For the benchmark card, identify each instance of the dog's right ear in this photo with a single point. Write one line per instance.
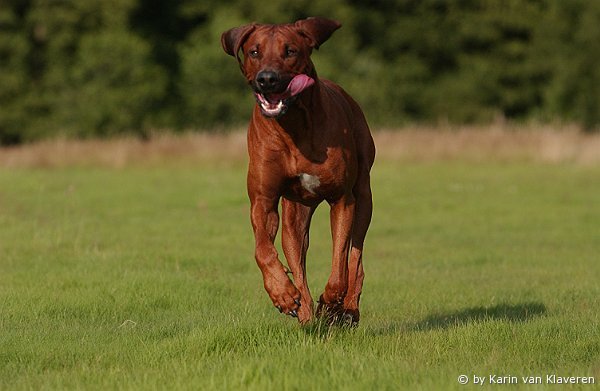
(232, 40)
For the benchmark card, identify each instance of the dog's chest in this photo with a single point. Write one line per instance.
(310, 182)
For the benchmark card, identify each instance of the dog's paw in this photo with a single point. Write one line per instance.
(350, 317)
(329, 310)
(336, 313)
(285, 297)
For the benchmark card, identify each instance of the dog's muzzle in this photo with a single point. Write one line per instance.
(276, 104)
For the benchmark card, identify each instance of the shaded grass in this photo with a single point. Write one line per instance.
(144, 278)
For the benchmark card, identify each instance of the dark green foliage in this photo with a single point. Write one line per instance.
(114, 87)
(89, 67)
(14, 86)
(572, 47)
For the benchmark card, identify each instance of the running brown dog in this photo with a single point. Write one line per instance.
(308, 142)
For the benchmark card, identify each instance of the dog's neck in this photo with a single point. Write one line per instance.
(300, 117)
(299, 127)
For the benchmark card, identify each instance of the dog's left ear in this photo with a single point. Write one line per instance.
(317, 30)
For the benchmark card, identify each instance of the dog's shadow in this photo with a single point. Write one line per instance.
(507, 312)
(513, 313)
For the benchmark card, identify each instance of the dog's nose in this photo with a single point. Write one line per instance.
(267, 80)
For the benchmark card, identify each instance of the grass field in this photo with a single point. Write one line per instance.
(138, 273)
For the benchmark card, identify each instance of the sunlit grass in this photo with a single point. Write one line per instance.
(142, 277)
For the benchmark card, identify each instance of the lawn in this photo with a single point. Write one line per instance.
(142, 277)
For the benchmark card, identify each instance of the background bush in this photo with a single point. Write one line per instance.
(92, 68)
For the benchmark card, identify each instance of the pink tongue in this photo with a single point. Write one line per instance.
(298, 84)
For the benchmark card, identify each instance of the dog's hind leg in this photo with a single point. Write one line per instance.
(295, 226)
(362, 219)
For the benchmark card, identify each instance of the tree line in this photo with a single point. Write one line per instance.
(83, 68)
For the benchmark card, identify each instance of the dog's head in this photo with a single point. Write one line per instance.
(276, 58)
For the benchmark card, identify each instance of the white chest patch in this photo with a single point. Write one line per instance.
(309, 182)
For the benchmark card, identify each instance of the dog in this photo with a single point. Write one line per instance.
(308, 142)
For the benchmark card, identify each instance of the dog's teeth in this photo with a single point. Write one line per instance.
(269, 109)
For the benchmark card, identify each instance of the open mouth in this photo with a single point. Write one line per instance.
(274, 105)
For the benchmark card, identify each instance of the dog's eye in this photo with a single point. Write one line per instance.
(289, 52)
(253, 53)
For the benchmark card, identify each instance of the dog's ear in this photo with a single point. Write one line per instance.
(232, 40)
(317, 30)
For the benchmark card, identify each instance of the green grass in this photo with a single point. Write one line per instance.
(144, 278)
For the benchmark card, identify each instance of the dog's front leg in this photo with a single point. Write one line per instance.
(294, 241)
(265, 221)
